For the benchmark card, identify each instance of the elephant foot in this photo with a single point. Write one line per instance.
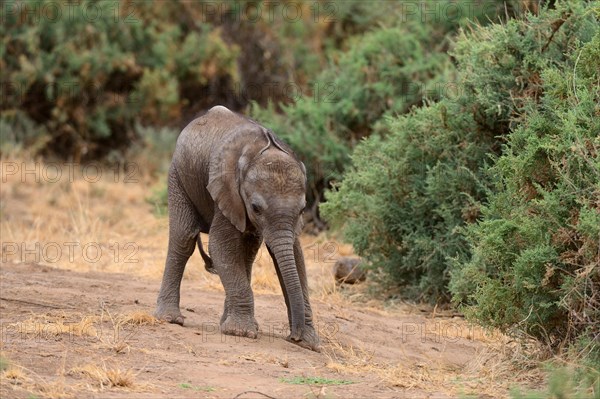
(241, 327)
(169, 314)
(308, 339)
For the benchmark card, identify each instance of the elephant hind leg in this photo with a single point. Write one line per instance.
(184, 228)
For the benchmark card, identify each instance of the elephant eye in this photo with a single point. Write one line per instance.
(256, 208)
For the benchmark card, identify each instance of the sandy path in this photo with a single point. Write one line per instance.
(383, 354)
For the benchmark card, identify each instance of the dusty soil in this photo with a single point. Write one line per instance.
(56, 322)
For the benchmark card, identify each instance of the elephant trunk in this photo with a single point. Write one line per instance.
(282, 246)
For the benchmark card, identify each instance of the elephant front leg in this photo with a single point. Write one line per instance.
(228, 251)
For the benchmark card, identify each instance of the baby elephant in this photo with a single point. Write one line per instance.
(235, 180)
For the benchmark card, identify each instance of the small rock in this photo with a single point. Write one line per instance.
(349, 271)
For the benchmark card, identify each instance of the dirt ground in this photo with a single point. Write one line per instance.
(81, 262)
(56, 322)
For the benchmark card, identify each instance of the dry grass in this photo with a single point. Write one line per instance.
(45, 326)
(104, 377)
(45, 217)
(109, 331)
(14, 374)
(349, 358)
(493, 371)
(138, 318)
(52, 390)
(101, 377)
(123, 328)
(56, 387)
(19, 378)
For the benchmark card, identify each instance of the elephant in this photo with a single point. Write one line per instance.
(233, 179)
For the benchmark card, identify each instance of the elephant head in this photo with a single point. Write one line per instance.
(259, 185)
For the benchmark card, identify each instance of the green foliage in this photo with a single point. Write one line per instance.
(405, 196)
(87, 77)
(185, 385)
(535, 257)
(501, 65)
(159, 199)
(407, 199)
(76, 83)
(566, 383)
(78, 78)
(4, 363)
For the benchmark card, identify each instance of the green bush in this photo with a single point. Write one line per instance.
(408, 197)
(77, 78)
(89, 72)
(535, 257)
(405, 196)
(566, 383)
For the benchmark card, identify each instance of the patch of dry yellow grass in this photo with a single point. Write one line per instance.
(52, 390)
(264, 276)
(493, 371)
(15, 374)
(19, 378)
(66, 222)
(104, 377)
(116, 336)
(123, 328)
(138, 318)
(263, 358)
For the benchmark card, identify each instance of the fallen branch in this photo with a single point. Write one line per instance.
(260, 393)
(46, 305)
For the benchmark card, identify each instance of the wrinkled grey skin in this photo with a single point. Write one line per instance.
(233, 179)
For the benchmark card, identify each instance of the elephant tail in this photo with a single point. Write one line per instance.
(208, 264)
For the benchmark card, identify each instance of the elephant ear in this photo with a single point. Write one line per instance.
(226, 168)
